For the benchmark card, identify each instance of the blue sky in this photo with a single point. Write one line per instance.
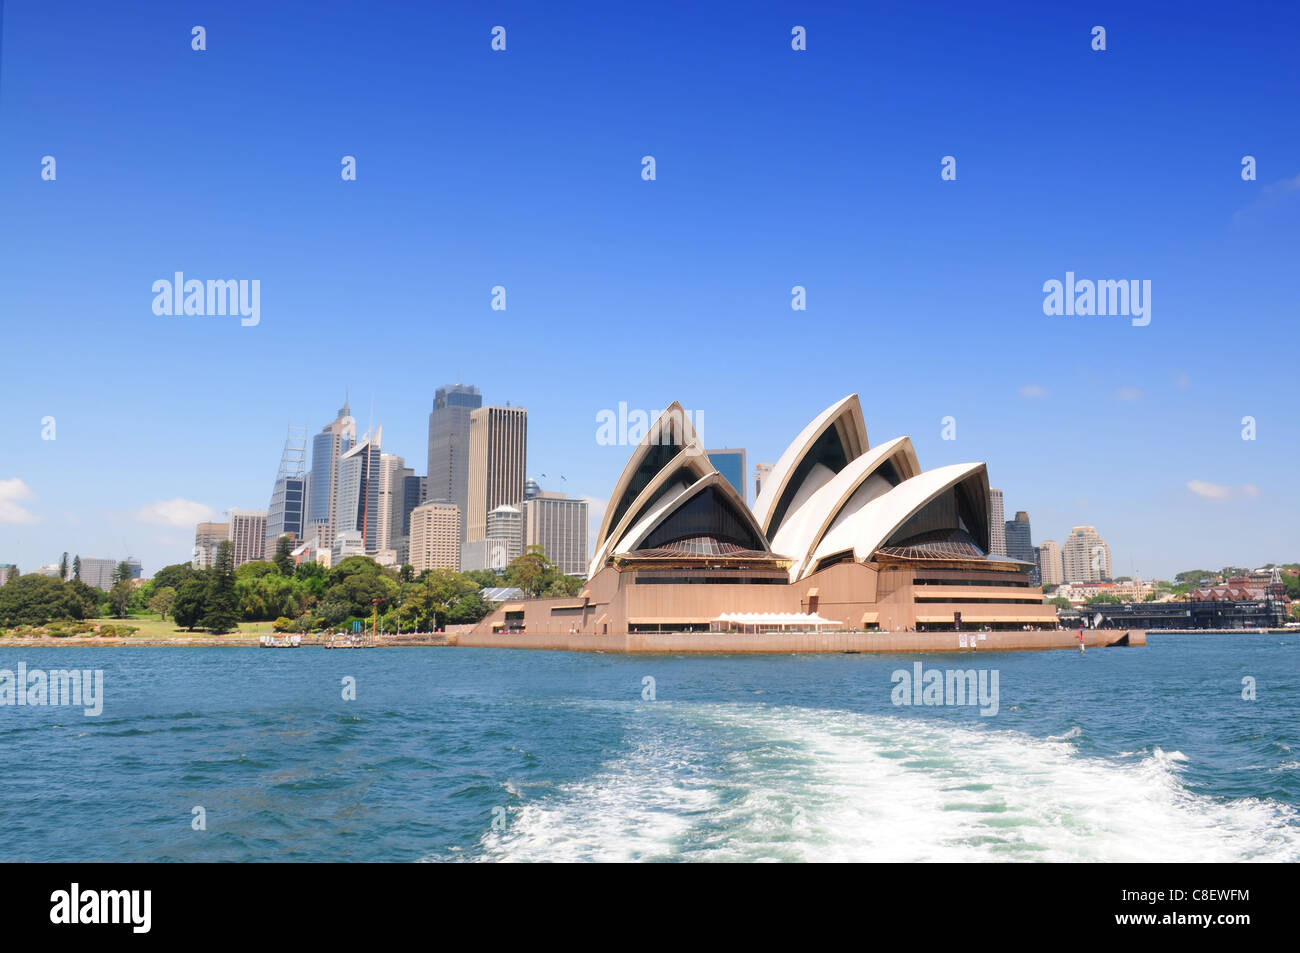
(775, 168)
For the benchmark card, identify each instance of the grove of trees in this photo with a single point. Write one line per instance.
(303, 598)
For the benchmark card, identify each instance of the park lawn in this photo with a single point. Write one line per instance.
(152, 627)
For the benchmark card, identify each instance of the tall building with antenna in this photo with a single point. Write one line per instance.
(327, 447)
(287, 513)
(357, 510)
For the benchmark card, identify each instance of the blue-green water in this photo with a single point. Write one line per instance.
(447, 754)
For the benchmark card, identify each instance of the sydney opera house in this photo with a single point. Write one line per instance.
(844, 537)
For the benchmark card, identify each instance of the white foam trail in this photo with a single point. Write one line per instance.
(640, 808)
(800, 784)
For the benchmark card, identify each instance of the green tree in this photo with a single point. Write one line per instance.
(221, 606)
(36, 600)
(63, 567)
(88, 597)
(174, 576)
(353, 566)
(119, 598)
(76, 567)
(531, 571)
(485, 578)
(438, 598)
(187, 607)
(122, 572)
(1104, 598)
(284, 556)
(1060, 602)
(256, 570)
(161, 601)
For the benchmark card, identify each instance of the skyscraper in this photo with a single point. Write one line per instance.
(1019, 541)
(1085, 556)
(1020, 545)
(731, 464)
(98, 572)
(559, 525)
(997, 525)
(1050, 567)
(392, 469)
(448, 471)
(248, 533)
(357, 510)
(505, 525)
(207, 537)
(286, 514)
(435, 537)
(761, 470)
(498, 441)
(415, 490)
(326, 449)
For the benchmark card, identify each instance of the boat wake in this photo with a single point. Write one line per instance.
(752, 783)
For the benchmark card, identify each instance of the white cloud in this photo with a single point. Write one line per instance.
(1217, 491)
(1128, 393)
(182, 514)
(1033, 391)
(11, 510)
(1271, 196)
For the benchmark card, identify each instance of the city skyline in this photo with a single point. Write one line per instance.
(530, 180)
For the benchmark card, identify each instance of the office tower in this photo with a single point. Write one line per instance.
(6, 571)
(731, 464)
(322, 500)
(207, 536)
(347, 542)
(98, 572)
(392, 469)
(997, 525)
(448, 471)
(498, 441)
(435, 537)
(1050, 568)
(357, 509)
(415, 491)
(505, 525)
(248, 533)
(761, 470)
(559, 525)
(531, 489)
(287, 512)
(1085, 557)
(1020, 544)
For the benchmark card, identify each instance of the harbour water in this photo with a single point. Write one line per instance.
(478, 754)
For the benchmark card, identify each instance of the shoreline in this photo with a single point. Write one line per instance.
(716, 643)
(230, 641)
